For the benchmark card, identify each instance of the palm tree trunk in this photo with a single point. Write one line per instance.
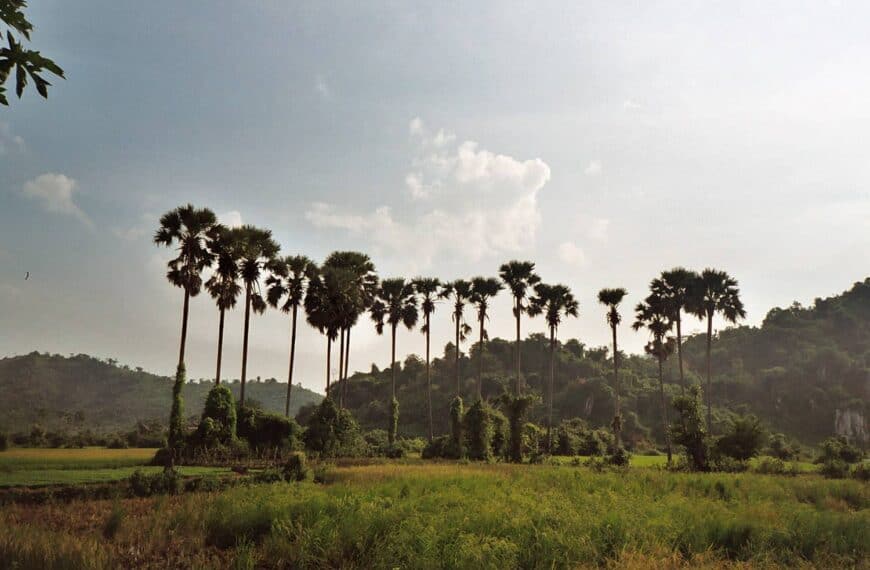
(456, 360)
(184, 313)
(347, 354)
(480, 362)
(618, 431)
(709, 379)
(328, 360)
(393, 360)
(292, 358)
(552, 375)
(245, 344)
(341, 370)
(519, 373)
(664, 408)
(680, 354)
(220, 350)
(429, 380)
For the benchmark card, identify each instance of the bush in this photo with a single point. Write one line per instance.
(743, 440)
(516, 409)
(533, 440)
(689, 431)
(499, 441)
(117, 442)
(4, 441)
(620, 457)
(296, 467)
(264, 430)
(220, 409)
(834, 469)
(861, 472)
(726, 464)
(456, 415)
(839, 449)
(163, 483)
(774, 466)
(478, 427)
(780, 448)
(333, 433)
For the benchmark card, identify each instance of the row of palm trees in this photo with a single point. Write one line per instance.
(335, 294)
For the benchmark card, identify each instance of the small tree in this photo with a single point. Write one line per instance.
(332, 432)
(220, 408)
(478, 426)
(743, 440)
(689, 430)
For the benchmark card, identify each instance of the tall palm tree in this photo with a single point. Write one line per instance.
(331, 295)
(429, 291)
(674, 289)
(257, 252)
(365, 280)
(288, 282)
(654, 314)
(482, 290)
(460, 291)
(554, 302)
(395, 303)
(187, 228)
(611, 298)
(223, 285)
(715, 292)
(519, 276)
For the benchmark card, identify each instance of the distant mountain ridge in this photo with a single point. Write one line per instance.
(83, 392)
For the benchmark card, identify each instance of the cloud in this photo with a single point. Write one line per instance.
(9, 142)
(475, 203)
(571, 254)
(593, 168)
(54, 192)
(598, 229)
(631, 105)
(322, 87)
(231, 219)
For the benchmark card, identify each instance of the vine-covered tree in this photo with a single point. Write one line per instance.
(14, 56)
(395, 303)
(715, 292)
(187, 228)
(520, 277)
(483, 289)
(611, 298)
(223, 285)
(554, 302)
(257, 251)
(286, 288)
(429, 291)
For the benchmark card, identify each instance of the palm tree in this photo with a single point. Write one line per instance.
(482, 290)
(257, 251)
(365, 280)
(188, 227)
(674, 288)
(611, 298)
(331, 295)
(288, 282)
(429, 291)
(715, 292)
(519, 276)
(655, 315)
(460, 290)
(223, 285)
(395, 303)
(554, 302)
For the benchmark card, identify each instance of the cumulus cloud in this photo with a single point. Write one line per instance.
(231, 219)
(571, 254)
(475, 202)
(9, 141)
(54, 192)
(593, 168)
(631, 105)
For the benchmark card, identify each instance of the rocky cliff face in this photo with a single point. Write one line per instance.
(851, 424)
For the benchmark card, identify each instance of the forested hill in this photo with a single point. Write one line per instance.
(805, 372)
(82, 392)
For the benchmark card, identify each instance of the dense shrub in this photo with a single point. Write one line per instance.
(220, 408)
(143, 485)
(478, 428)
(619, 457)
(332, 432)
(499, 441)
(839, 448)
(774, 466)
(834, 469)
(861, 472)
(296, 467)
(4, 441)
(516, 409)
(456, 420)
(781, 448)
(743, 439)
(534, 440)
(264, 430)
(689, 431)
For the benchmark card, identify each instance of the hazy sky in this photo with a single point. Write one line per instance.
(605, 141)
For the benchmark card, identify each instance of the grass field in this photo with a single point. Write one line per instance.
(462, 516)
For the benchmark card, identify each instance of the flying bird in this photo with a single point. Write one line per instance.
(27, 276)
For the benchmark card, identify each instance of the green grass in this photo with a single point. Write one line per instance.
(662, 460)
(20, 459)
(43, 477)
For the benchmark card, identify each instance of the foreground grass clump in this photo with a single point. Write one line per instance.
(400, 515)
(449, 516)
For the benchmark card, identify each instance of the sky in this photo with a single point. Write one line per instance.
(606, 141)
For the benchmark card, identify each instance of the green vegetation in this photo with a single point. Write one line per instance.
(469, 516)
(14, 56)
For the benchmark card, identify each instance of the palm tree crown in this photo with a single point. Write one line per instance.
(519, 276)
(223, 285)
(394, 304)
(611, 298)
(288, 280)
(429, 291)
(554, 302)
(716, 292)
(675, 288)
(188, 227)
